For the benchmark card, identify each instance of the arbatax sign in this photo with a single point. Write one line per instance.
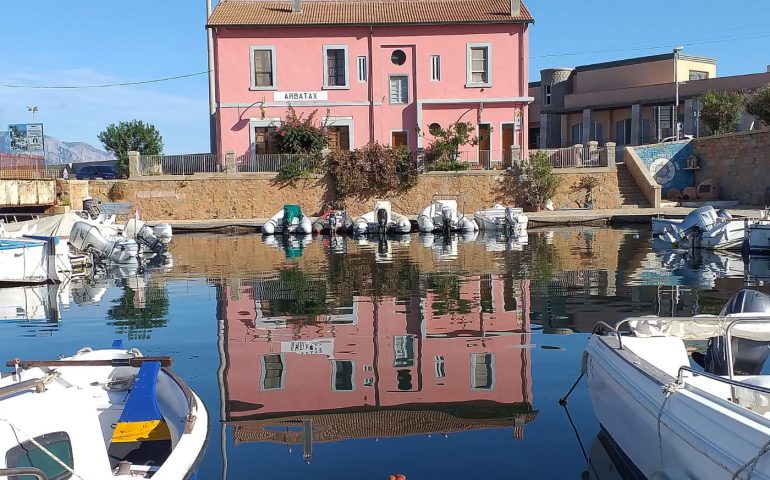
(300, 96)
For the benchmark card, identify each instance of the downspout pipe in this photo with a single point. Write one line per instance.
(212, 98)
(370, 84)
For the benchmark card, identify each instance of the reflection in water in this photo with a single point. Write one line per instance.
(35, 307)
(419, 354)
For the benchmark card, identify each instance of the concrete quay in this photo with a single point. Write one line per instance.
(599, 217)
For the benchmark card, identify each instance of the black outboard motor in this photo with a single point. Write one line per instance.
(382, 220)
(748, 355)
(446, 221)
(285, 225)
(145, 236)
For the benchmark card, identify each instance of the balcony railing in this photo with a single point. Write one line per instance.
(574, 157)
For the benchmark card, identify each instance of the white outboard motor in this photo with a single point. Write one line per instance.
(724, 214)
(145, 236)
(87, 238)
(164, 232)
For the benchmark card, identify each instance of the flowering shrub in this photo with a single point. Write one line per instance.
(300, 135)
(374, 169)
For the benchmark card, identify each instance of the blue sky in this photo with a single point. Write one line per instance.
(96, 42)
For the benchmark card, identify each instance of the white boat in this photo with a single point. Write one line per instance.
(500, 218)
(34, 260)
(758, 237)
(675, 421)
(99, 415)
(659, 224)
(288, 220)
(87, 238)
(382, 219)
(706, 228)
(442, 215)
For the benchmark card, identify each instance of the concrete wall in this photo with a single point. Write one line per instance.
(739, 162)
(260, 195)
(16, 193)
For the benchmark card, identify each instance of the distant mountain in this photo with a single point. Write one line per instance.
(57, 151)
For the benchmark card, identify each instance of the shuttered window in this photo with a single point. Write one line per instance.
(263, 68)
(399, 89)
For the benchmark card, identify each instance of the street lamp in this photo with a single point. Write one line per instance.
(675, 113)
(33, 109)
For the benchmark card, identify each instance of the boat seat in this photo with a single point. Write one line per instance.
(667, 353)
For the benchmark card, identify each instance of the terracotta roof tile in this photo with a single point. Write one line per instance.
(364, 12)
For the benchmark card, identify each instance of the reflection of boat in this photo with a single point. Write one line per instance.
(442, 215)
(456, 360)
(673, 421)
(498, 218)
(125, 417)
(445, 246)
(384, 244)
(288, 220)
(706, 228)
(292, 245)
(382, 220)
(605, 462)
(334, 221)
(31, 302)
(500, 242)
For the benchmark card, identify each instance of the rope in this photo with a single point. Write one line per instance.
(752, 464)
(17, 431)
(668, 391)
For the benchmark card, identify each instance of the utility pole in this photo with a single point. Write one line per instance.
(212, 98)
(675, 113)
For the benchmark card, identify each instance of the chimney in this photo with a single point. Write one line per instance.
(296, 6)
(515, 8)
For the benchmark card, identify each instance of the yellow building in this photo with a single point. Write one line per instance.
(629, 102)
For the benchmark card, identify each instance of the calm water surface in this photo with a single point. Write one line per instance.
(424, 356)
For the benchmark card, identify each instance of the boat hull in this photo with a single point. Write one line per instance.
(698, 436)
(24, 262)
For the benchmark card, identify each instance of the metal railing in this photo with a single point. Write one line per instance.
(24, 167)
(274, 162)
(181, 164)
(574, 157)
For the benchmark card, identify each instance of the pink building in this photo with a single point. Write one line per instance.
(423, 359)
(374, 70)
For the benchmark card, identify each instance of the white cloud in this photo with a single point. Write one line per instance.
(80, 114)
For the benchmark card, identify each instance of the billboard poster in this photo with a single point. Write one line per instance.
(27, 138)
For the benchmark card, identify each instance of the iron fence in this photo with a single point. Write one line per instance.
(274, 162)
(181, 164)
(574, 157)
(15, 166)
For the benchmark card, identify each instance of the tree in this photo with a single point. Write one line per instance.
(722, 111)
(131, 136)
(300, 134)
(537, 182)
(759, 104)
(444, 153)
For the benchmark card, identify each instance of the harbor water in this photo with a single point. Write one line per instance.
(336, 357)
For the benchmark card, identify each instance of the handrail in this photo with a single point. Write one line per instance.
(192, 404)
(17, 471)
(733, 383)
(729, 348)
(36, 383)
(610, 328)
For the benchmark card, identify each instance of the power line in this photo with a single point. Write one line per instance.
(106, 85)
(651, 47)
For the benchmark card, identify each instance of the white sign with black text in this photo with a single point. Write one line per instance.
(300, 96)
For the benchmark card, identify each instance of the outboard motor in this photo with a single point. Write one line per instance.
(510, 219)
(87, 238)
(382, 220)
(748, 355)
(446, 220)
(147, 238)
(724, 214)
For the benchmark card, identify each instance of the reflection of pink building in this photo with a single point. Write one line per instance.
(375, 70)
(427, 355)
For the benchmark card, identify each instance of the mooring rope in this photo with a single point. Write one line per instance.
(18, 432)
(752, 464)
(668, 391)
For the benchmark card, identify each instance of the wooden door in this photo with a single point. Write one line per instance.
(507, 144)
(399, 139)
(484, 145)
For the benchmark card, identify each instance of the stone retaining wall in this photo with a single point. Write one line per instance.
(740, 163)
(261, 195)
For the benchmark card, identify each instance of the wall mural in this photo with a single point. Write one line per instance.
(667, 164)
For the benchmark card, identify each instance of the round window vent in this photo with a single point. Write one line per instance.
(398, 57)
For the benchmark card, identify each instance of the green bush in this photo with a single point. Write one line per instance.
(444, 153)
(722, 111)
(537, 182)
(759, 104)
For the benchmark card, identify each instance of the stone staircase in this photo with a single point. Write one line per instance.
(631, 195)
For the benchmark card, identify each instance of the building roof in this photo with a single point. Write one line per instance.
(639, 60)
(254, 13)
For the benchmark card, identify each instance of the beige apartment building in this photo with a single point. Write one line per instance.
(629, 102)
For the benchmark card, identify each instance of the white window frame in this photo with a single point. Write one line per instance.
(362, 69)
(469, 83)
(326, 85)
(492, 381)
(400, 131)
(350, 123)
(439, 367)
(390, 79)
(253, 85)
(435, 68)
(263, 371)
(547, 87)
(352, 375)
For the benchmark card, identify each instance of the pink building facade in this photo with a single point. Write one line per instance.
(379, 355)
(373, 70)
